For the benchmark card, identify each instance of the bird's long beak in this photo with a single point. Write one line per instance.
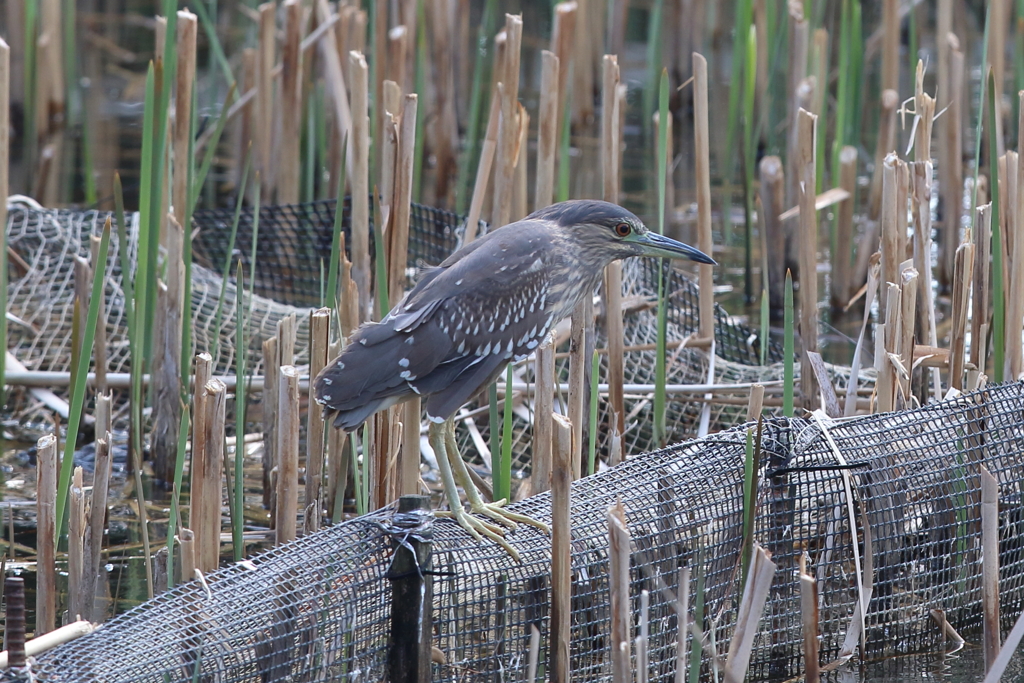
(653, 244)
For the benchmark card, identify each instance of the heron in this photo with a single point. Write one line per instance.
(490, 303)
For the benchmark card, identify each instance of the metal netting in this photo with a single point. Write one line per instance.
(317, 609)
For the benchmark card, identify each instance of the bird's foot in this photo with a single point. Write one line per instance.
(500, 514)
(481, 529)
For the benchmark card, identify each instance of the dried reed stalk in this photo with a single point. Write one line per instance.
(185, 74)
(51, 25)
(245, 129)
(360, 182)
(46, 529)
(891, 257)
(207, 471)
(288, 158)
(891, 27)
(543, 407)
(884, 343)
(78, 602)
(562, 40)
(508, 127)
(807, 134)
(319, 340)
(99, 347)
(5, 155)
(266, 164)
(288, 453)
(585, 49)
(520, 193)
(948, 94)
(756, 402)
(910, 278)
(446, 126)
(579, 360)
(166, 377)
(398, 238)
(271, 365)
(702, 161)
(841, 261)
(335, 78)
(990, 564)
(338, 464)
(963, 275)
(547, 129)
(91, 575)
(755, 593)
(886, 144)
(799, 37)
(772, 194)
(483, 170)
(610, 165)
(809, 620)
(619, 553)
(981, 297)
(561, 548)
(398, 46)
(187, 543)
(1015, 307)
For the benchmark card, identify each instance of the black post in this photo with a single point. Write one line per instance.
(411, 592)
(14, 592)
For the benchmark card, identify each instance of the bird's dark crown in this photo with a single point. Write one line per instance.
(587, 212)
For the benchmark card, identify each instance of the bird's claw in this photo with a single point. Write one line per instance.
(512, 520)
(480, 529)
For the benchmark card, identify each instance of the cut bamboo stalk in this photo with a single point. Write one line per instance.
(185, 74)
(619, 553)
(399, 239)
(886, 144)
(291, 102)
(702, 155)
(891, 27)
(561, 547)
(578, 361)
(97, 523)
(1015, 309)
(842, 262)
(271, 366)
(952, 198)
(166, 376)
(610, 164)
(981, 297)
(562, 41)
(889, 226)
(187, 543)
(266, 59)
(319, 339)
(963, 275)
(990, 564)
(398, 45)
(772, 194)
(541, 462)
(508, 126)
(799, 33)
(207, 471)
(388, 160)
(393, 106)
(483, 171)
(807, 134)
(809, 620)
(288, 453)
(77, 600)
(46, 528)
(360, 180)
(547, 129)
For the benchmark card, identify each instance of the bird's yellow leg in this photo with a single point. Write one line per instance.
(495, 510)
(477, 528)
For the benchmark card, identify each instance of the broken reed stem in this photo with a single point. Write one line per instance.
(271, 365)
(291, 103)
(702, 160)
(398, 237)
(990, 564)
(807, 133)
(773, 188)
(542, 421)
(561, 547)
(884, 344)
(78, 601)
(563, 34)
(981, 297)
(809, 621)
(886, 144)
(360, 182)
(891, 257)
(166, 376)
(187, 542)
(319, 340)
(508, 127)
(842, 288)
(619, 553)
(46, 529)
(5, 154)
(520, 200)
(755, 593)
(1015, 243)
(207, 471)
(963, 275)
(910, 278)
(756, 403)
(610, 164)
(547, 133)
(185, 74)
(266, 164)
(288, 453)
(483, 171)
(890, 45)
(99, 347)
(578, 362)
(952, 168)
(97, 518)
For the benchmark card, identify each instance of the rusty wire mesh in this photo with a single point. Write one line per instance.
(317, 609)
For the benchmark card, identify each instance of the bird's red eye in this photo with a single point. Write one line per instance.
(623, 229)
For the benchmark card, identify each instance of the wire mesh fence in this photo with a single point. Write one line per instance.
(895, 495)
